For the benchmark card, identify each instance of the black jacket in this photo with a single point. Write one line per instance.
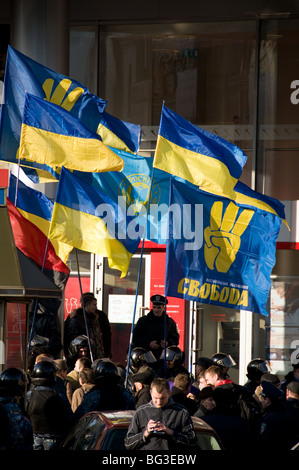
(143, 396)
(74, 325)
(174, 416)
(277, 429)
(180, 397)
(151, 327)
(48, 412)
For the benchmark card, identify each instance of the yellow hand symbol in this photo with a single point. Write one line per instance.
(223, 237)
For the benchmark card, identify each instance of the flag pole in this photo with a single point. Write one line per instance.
(192, 338)
(82, 303)
(43, 265)
(165, 368)
(138, 282)
(134, 314)
(138, 279)
(36, 300)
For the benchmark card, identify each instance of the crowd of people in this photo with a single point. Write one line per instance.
(38, 407)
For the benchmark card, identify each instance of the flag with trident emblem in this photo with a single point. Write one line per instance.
(24, 75)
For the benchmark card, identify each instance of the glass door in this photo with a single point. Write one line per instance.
(118, 301)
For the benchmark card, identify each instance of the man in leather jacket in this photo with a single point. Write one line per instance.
(149, 332)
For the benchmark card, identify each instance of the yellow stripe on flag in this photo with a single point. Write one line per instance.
(88, 233)
(111, 139)
(200, 170)
(62, 250)
(74, 153)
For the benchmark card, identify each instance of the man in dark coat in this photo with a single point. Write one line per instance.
(149, 332)
(142, 381)
(105, 328)
(49, 412)
(107, 394)
(292, 406)
(181, 388)
(292, 376)
(233, 431)
(75, 326)
(277, 424)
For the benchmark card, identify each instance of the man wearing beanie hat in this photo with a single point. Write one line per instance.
(149, 332)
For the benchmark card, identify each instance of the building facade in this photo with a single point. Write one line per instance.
(231, 68)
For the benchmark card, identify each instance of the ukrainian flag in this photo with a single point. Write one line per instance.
(232, 266)
(24, 75)
(119, 134)
(247, 197)
(193, 154)
(86, 218)
(53, 136)
(37, 208)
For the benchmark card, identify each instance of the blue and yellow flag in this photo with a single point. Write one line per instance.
(219, 252)
(197, 156)
(53, 136)
(131, 188)
(24, 75)
(37, 208)
(119, 134)
(86, 218)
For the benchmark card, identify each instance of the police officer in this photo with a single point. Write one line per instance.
(149, 332)
(277, 425)
(255, 369)
(140, 357)
(51, 416)
(78, 348)
(174, 358)
(225, 361)
(106, 394)
(19, 435)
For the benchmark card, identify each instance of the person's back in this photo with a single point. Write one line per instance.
(277, 425)
(87, 382)
(16, 429)
(49, 413)
(179, 391)
(106, 395)
(233, 431)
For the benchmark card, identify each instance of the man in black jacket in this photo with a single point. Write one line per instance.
(277, 429)
(181, 388)
(162, 424)
(149, 332)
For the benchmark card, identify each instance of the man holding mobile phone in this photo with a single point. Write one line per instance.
(161, 424)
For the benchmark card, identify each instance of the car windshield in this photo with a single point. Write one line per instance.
(115, 439)
(207, 441)
(85, 434)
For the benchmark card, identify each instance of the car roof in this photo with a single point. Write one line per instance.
(124, 417)
(114, 418)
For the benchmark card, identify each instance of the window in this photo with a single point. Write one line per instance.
(282, 325)
(204, 72)
(278, 108)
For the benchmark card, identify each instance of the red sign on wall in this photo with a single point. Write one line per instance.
(15, 341)
(175, 307)
(73, 293)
